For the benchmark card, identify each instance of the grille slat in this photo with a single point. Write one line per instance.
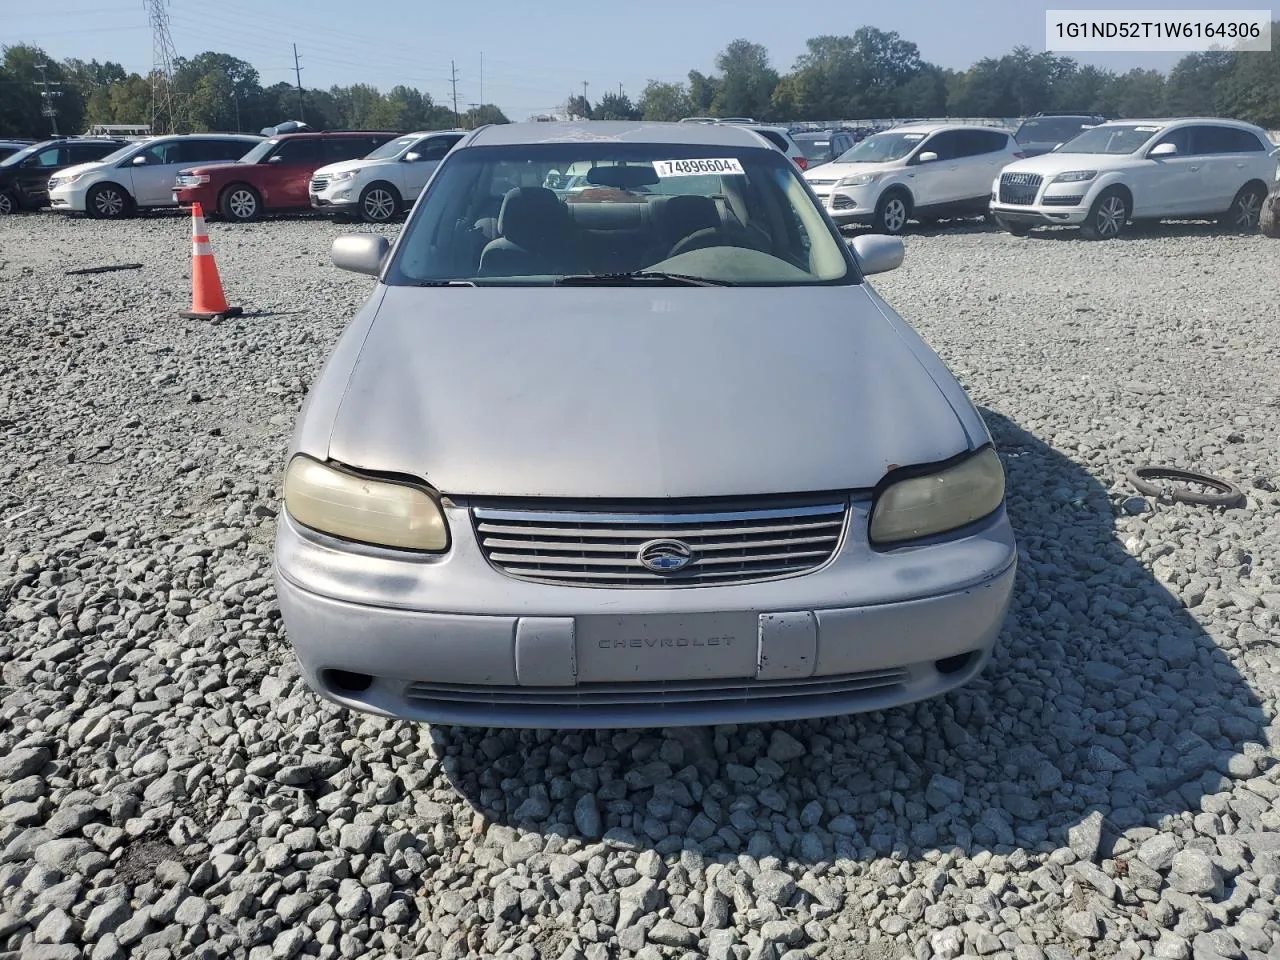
(1019, 189)
(318, 184)
(589, 548)
(841, 202)
(653, 695)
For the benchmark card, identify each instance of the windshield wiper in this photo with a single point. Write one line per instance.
(639, 277)
(442, 283)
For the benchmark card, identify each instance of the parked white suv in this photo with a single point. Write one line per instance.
(918, 172)
(1140, 170)
(386, 183)
(141, 174)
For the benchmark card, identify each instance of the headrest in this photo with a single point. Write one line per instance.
(530, 215)
(684, 214)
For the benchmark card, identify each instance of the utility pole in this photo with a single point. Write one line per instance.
(620, 94)
(453, 78)
(482, 77)
(297, 73)
(584, 93)
(47, 108)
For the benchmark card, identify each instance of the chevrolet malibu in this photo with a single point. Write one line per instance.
(654, 453)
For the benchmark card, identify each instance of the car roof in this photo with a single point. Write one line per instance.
(936, 127)
(622, 131)
(316, 134)
(1170, 121)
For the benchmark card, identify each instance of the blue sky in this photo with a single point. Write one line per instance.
(534, 54)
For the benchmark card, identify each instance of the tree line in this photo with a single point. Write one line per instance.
(873, 74)
(215, 91)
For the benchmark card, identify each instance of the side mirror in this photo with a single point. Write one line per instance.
(877, 253)
(140, 159)
(360, 253)
(1163, 150)
(1057, 145)
(412, 156)
(276, 159)
(927, 157)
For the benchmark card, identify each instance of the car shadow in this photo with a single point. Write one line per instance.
(1104, 695)
(1145, 230)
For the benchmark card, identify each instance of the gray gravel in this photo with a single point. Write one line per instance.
(170, 788)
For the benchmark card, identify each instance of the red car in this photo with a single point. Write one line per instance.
(273, 176)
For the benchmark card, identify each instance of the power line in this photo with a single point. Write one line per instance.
(453, 78)
(297, 74)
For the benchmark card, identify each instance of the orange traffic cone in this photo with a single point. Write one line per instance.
(207, 299)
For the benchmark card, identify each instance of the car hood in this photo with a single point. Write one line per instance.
(1050, 164)
(214, 166)
(833, 169)
(640, 393)
(331, 168)
(78, 168)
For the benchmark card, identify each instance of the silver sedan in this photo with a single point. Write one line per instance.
(653, 453)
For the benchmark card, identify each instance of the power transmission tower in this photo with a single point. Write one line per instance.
(164, 103)
(453, 78)
(47, 109)
(297, 74)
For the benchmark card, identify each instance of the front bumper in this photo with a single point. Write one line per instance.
(847, 205)
(69, 199)
(205, 195)
(335, 201)
(452, 640)
(1053, 203)
(1040, 215)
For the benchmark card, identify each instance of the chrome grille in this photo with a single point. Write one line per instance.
(841, 202)
(656, 694)
(598, 549)
(318, 184)
(1019, 188)
(820, 183)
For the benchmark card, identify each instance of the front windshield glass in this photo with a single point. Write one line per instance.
(882, 148)
(392, 148)
(16, 158)
(1050, 130)
(815, 149)
(737, 216)
(123, 152)
(1112, 138)
(259, 152)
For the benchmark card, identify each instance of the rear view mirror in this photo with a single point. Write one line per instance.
(1163, 150)
(927, 157)
(877, 253)
(360, 253)
(412, 155)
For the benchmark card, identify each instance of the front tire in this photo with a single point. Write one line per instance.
(1269, 221)
(1107, 217)
(108, 201)
(241, 203)
(892, 212)
(1245, 210)
(379, 203)
(8, 203)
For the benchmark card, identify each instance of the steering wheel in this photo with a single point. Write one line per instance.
(708, 237)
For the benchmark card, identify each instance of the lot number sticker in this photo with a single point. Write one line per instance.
(697, 168)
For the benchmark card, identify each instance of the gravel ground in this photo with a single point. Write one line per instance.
(1109, 788)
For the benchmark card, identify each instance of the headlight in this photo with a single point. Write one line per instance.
(192, 180)
(1075, 176)
(938, 502)
(64, 181)
(353, 507)
(861, 180)
(344, 175)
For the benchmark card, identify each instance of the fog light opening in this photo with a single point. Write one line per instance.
(344, 681)
(949, 665)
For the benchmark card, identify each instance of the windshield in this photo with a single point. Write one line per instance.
(120, 154)
(1050, 129)
(882, 148)
(259, 152)
(736, 216)
(1112, 138)
(392, 148)
(815, 149)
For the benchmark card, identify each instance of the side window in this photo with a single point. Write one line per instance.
(435, 148)
(301, 151)
(346, 148)
(162, 153)
(89, 152)
(50, 157)
(238, 148)
(199, 151)
(998, 142)
(1213, 139)
(946, 145)
(1180, 138)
